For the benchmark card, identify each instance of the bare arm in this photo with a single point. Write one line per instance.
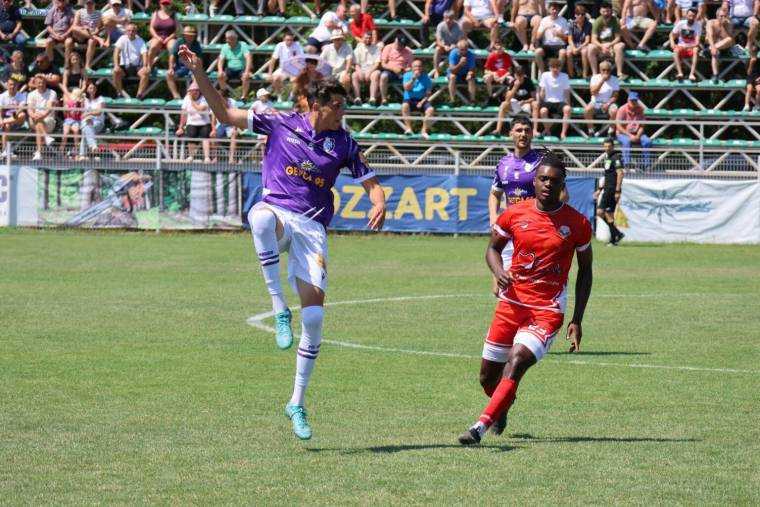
(583, 283)
(494, 200)
(494, 261)
(377, 198)
(225, 114)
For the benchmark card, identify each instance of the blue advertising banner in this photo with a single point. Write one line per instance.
(446, 204)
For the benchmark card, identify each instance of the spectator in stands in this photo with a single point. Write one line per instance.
(519, 98)
(684, 41)
(276, 7)
(195, 123)
(677, 9)
(12, 113)
(88, 28)
(605, 41)
(302, 82)
(636, 17)
(263, 103)
(40, 103)
(16, 70)
(130, 59)
(225, 131)
(752, 95)
(329, 22)
(340, 56)
(59, 20)
(44, 67)
(116, 18)
(395, 59)
(237, 55)
(163, 29)
(434, 11)
(177, 69)
(462, 69)
(604, 88)
(93, 119)
(579, 41)
(72, 116)
(341, 3)
(284, 50)
(496, 68)
(417, 87)
(526, 15)
(551, 37)
(744, 14)
(73, 73)
(719, 35)
(630, 131)
(361, 23)
(189, 8)
(483, 14)
(554, 96)
(10, 25)
(447, 33)
(366, 69)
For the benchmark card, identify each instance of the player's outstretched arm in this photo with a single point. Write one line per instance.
(495, 263)
(224, 113)
(377, 198)
(582, 292)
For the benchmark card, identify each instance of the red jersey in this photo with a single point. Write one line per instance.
(366, 24)
(498, 64)
(544, 244)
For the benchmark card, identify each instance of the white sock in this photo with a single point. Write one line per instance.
(263, 228)
(480, 427)
(308, 349)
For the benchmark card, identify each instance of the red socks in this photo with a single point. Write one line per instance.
(501, 400)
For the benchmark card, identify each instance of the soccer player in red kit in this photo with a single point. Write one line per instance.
(546, 233)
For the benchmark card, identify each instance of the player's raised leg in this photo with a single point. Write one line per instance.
(267, 230)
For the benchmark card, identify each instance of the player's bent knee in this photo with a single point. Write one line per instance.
(262, 220)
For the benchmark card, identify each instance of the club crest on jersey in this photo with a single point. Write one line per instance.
(328, 144)
(564, 231)
(308, 166)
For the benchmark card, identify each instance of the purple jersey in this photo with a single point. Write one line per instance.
(300, 166)
(514, 176)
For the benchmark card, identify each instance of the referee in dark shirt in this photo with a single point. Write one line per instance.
(613, 181)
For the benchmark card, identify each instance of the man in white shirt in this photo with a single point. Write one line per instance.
(684, 41)
(12, 114)
(263, 104)
(551, 37)
(340, 56)
(284, 50)
(554, 96)
(40, 103)
(604, 88)
(744, 14)
(130, 58)
(366, 68)
(321, 35)
(486, 14)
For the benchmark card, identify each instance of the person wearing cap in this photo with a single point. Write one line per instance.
(116, 19)
(461, 69)
(176, 69)
(483, 14)
(322, 34)
(551, 37)
(10, 26)
(417, 88)
(630, 131)
(130, 58)
(684, 41)
(163, 30)
(395, 59)
(340, 57)
(447, 34)
(237, 56)
(263, 103)
(366, 69)
(59, 20)
(284, 50)
(195, 122)
(88, 28)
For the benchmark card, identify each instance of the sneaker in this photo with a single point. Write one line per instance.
(297, 416)
(619, 238)
(3, 154)
(357, 101)
(500, 424)
(284, 335)
(470, 437)
(49, 140)
(745, 109)
(37, 156)
(737, 51)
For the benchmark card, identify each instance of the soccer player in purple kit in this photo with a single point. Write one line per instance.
(304, 154)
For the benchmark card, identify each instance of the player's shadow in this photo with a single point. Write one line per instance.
(392, 449)
(531, 438)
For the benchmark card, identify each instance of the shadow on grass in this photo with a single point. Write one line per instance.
(529, 437)
(391, 449)
(599, 353)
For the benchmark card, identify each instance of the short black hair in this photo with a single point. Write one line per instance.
(552, 159)
(522, 120)
(322, 91)
(605, 5)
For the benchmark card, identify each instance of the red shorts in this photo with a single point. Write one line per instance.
(685, 52)
(513, 323)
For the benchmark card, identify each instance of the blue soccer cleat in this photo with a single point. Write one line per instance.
(297, 415)
(284, 334)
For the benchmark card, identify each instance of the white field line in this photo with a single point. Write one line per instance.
(257, 322)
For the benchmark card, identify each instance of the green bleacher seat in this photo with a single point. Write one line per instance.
(221, 19)
(142, 132)
(192, 18)
(141, 17)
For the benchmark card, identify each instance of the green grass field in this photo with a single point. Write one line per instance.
(128, 374)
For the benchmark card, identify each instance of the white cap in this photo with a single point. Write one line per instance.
(262, 92)
(337, 34)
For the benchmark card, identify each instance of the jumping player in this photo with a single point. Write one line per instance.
(304, 154)
(613, 182)
(545, 232)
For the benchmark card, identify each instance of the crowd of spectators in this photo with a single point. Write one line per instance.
(573, 39)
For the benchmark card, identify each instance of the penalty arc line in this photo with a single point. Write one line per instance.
(256, 321)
